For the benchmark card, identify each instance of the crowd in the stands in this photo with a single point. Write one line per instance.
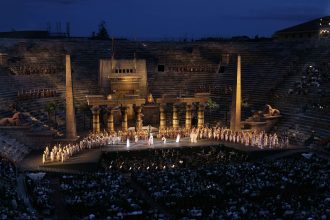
(108, 195)
(29, 69)
(91, 196)
(36, 93)
(11, 206)
(40, 192)
(310, 82)
(11, 148)
(291, 188)
(200, 183)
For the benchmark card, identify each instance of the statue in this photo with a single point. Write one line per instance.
(13, 121)
(150, 99)
(269, 111)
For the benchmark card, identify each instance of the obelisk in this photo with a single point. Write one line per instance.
(70, 118)
(235, 113)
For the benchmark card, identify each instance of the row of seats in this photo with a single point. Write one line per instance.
(11, 148)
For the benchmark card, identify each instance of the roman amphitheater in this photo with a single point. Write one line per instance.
(136, 111)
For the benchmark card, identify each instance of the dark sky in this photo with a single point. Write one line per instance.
(151, 19)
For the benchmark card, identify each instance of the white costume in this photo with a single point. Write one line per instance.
(151, 139)
(177, 138)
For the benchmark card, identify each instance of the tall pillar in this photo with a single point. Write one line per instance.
(70, 118)
(124, 125)
(110, 121)
(188, 116)
(162, 117)
(175, 117)
(96, 119)
(235, 112)
(138, 114)
(200, 122)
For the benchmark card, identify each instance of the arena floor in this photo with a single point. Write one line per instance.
(88, 159)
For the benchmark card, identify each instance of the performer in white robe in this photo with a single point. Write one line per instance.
(127, 143)
(164, 139)
(195, 137)
(151, 139)
(177, 138)
(114, 138)
(192, 137)
(52, 156)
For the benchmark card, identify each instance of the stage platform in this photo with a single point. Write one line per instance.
(88, 159)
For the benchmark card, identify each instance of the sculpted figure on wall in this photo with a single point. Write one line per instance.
(269, 111)
(14, 120)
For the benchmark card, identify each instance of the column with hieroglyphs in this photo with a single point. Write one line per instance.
(200, 115)
(96, 119)
(235, 112)
(110, 120)
(175, 119)
(162, 117)
(188, 115)
(70, 118)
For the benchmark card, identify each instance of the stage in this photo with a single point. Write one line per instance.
(89, 159)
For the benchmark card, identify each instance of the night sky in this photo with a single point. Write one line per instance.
(156, 19)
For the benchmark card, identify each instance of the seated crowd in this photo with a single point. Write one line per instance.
(200, 183)
(11, 148)
(11, 207)
(36, 94)
(29, 69)
(291, 188)
(310, 82)
(92, 196)
(40, 191)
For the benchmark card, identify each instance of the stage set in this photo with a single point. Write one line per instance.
(125, 98)
(88, 159)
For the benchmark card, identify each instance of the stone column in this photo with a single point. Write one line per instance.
(188, 116)
(175, 117)
(138, 114)
(201, 108)
(110, 121)
(124, 125)
(70, 118)
(162, 117)
(96, 119)
(235, 112)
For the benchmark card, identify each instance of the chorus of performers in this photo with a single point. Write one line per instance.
(60, 152)
(248, 138)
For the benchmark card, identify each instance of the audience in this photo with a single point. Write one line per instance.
(29, 69)
(292, 188)
(11, 207)
(11, 148)
(199, 183)
(36, 94)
